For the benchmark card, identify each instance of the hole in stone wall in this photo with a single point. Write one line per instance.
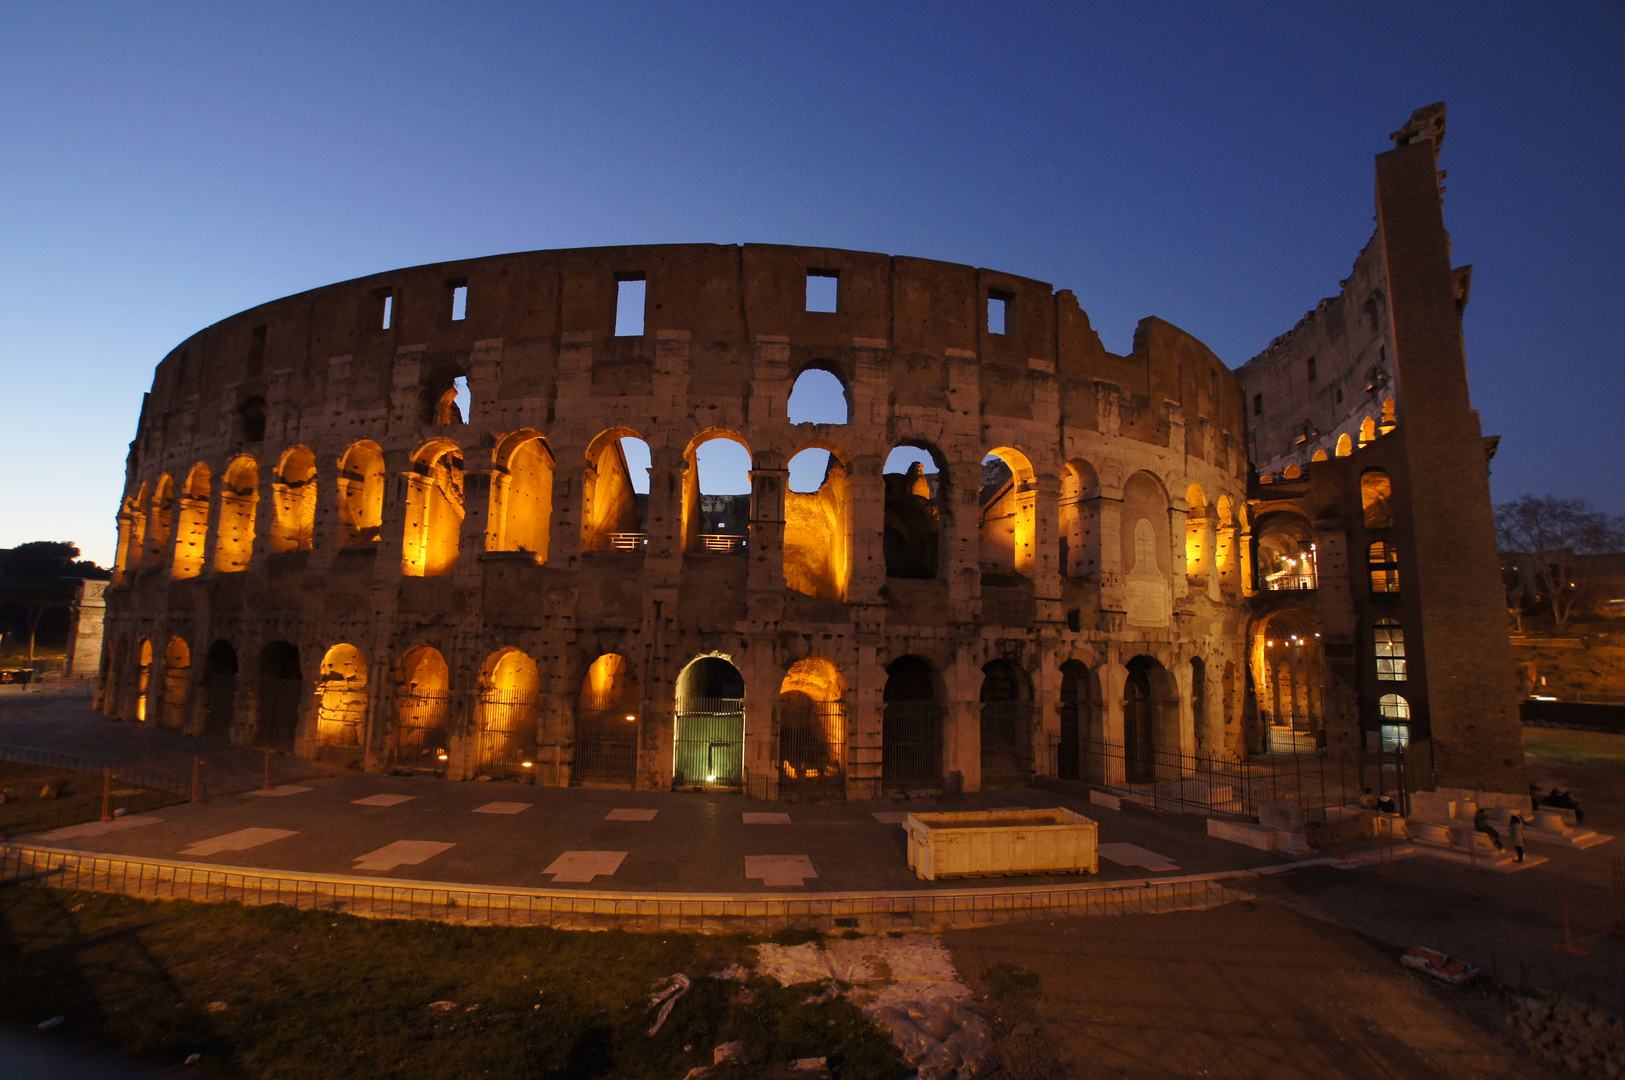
(459, 301)
(256, 351)
(388, 306)
(631, 292)
(823, 290)
(818, 397)
(998, 312)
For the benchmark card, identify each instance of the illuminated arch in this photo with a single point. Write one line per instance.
(818, 530)
(521, 495)
(811, 756)
(239, 503)
(162, 520)
(434, 510)
(143, 678)
(422, 697)
(613, 518)
(1199, 540)
(1008, 521)
(817, 388)
(915, 510)
(132, 536)
(505, 715)
(341, 700)
(360, 491)
(192, 524)
(1080, 521)
(1345, 445)
(293, 494)
(714, 524)
(177, 683)
(607, 712)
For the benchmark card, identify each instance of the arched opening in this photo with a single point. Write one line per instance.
(811, 751)
(1318, 455)
(521, 515)
(1079, 752)
(143, 678)
(1147, 554)
(1150, 721)
(818, 397)
(177, 681)
(281, 691)
(1226, 532)
(293, 491)
(510, 685)
(1376, 499)
(361, 494)
(434, 511)
(1291, 472)
(444, 397)
(915, 509)
(163, 518)
(1199, 538)
(911, 728)
(1345, 445)
(1395, 714)
(1284, 546)
(239, 501)
(1388, 422)
(132, 536)
(606, 742)
(341, 702)
(192, 526)
(716, 496)
(219, 690)
(1289, 678)
(1007, 721)
(1368, 431)
(818, 525)
(422, 698)
(710, 728)
(1382, 559)
(248, 422)
(1080, 521)
(1008, 523)
(616, 493)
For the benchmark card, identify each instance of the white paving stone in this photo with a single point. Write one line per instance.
(401, 853)
(1134, 855)
(278, 792)
(791, 870)
(383, 800)
(99, 828)
(631, 815)
(767, 819)
(585, 865)
(241, 840)
(503, 808)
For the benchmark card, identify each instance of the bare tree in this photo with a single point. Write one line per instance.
(1549, 536)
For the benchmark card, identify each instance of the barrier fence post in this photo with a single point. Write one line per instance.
(107, 794)
(1567, 945)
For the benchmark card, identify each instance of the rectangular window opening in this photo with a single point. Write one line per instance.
(1258, 404)
(1309, 368)
(998, 313)
(388, 305)
(631, 293)
(459, 301)
(823, 290)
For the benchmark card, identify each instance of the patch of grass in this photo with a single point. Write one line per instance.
(1003, 980)
(273, 992)
(796, 935)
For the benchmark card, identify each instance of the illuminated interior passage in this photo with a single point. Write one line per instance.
(162, 520)
(818, 530)
(293, 493)
(505, 719)
(914, 512)
(341, 698)
(709, 732)
(521, 496)
(616, 493)
(607, 723)
(192, 524)
(239, 501)
(422, 697)
(1008, 523)
(434, 511)
(360, 489)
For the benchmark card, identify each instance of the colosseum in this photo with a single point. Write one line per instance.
(807, 522)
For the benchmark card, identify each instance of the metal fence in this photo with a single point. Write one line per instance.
(585, 909)
(150, 791)
(606, 744)
(710, 743)
(1223, 784)
(507, 730)
(911, 745)
(419, 740)
(1007, 748)
(811, 750)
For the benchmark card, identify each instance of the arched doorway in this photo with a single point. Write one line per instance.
(219, 690)
(911, 730)
(812, 730)
(1007, 711)
(1078, 756)
(1289, 674)
(606, 743)
(1150, 720)
(915, 507)
(509, 687)
(341, 703)
(177, 681)
(710, 728)
(281, 686)
(422, 696)
(143, 679)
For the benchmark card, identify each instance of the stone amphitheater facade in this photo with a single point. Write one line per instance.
(319, 553)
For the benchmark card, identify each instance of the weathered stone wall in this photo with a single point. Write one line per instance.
(726, 334)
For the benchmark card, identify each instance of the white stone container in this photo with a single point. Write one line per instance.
(987, 842)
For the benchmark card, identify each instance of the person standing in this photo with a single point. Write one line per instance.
(1515, 834)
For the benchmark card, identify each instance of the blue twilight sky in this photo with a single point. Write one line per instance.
(165, 165)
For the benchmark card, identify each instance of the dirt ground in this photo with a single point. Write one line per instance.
(1248, 991)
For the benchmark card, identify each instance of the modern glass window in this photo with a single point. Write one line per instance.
(1389, 639)
(1383, 560)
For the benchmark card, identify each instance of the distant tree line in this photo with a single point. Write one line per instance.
(38, 583)
(1560, 556)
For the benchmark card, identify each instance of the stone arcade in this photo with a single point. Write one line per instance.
(1027, 556)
